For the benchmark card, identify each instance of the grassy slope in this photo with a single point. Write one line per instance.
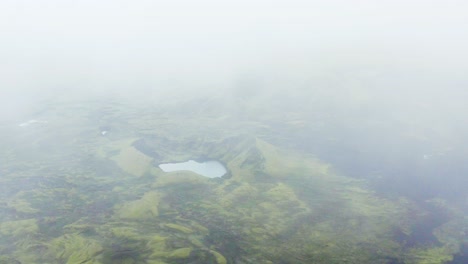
(83, 201)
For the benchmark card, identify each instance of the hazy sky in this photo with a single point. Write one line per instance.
(64, 45)
(404, 61)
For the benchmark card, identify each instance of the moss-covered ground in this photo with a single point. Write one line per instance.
(72, 195)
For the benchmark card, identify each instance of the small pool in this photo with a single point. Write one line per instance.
(210, 169)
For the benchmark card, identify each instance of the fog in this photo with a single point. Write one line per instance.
(394, 56)
(389, 77)
(397, 59)
(69, 45)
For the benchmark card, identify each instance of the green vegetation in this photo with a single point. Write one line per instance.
(98, 199)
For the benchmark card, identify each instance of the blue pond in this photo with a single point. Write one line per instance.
(210, 169)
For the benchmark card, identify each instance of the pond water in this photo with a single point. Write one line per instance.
(210, 169)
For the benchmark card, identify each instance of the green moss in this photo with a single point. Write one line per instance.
(279, 206)
(125, 233)
(78, 258)
(133, 161)
(199, 228)
(22, 206)
(80, 228)
(241, 194)
(144, 208)
(75, 249)
(434, 255)
(282, 164)
(173, 256)
(157, 244)
(6, 259)
(174, 178)
(29, 250)
(19, 228)
(111, 148)
(180, 253)
(197, 243)
(179, 228)
(220, 259)
(284, 196)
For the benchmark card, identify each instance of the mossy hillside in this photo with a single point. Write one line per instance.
(133, 161)
(292, 218)
(316, 185)
(179, 178)
(144, 208)
(19, 228)
(244, 206)
(166, 243)
(278, 205)
(250, 202)
(76, 249)
(28, 250)
(22, 206)
(121, 152)
(178, 228)
(427, 255)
